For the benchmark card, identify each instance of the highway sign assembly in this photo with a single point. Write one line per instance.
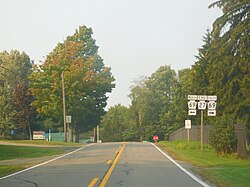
(203, 102)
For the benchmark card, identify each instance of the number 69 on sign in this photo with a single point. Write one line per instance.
(192, 105)
(211, 105)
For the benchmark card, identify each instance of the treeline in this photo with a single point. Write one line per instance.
(32, 97)
(222, 68)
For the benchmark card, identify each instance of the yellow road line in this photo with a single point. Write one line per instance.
(108, 174)
(109, 161)
(92, 183)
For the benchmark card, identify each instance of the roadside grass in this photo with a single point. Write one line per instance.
(8, 152)
(42, 142)
(6, 169)
(222, 170)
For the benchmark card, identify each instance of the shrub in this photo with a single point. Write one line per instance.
(222, 136)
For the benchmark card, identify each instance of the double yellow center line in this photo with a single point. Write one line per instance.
(108, 174)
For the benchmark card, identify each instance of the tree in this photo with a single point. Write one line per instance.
(152, 98)
(118, 125)
(222, 136)
(162, 87)
(139, 97)
(87, 81)
(230, 53)
(15, 99)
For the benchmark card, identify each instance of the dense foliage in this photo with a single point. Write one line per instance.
(222, 136)
(16, 112)
(118, 125)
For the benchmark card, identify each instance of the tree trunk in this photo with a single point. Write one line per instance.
(70, 133)
(140, 127)
(30, 132)
(3, 136)
(77, 138)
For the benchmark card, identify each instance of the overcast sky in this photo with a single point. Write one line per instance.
(135, 37)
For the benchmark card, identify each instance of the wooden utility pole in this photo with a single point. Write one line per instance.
(140, 128)
(64, 110)
(97, 134)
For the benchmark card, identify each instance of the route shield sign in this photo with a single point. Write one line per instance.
(202, 105)
(192, 105)
(211, 105)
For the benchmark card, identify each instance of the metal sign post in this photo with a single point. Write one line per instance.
(188, 127)
(202, 130)
(68, 121)
(202, 104)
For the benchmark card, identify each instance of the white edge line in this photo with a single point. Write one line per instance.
(183, 169)
(27, 169)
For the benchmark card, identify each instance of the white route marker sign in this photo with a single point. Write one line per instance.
(211, 113)
(211, 105)
(192, 112)
(212, 97)
(192, 105)
(202, 105)
(187, 124)
(192, 97)
(202, 97)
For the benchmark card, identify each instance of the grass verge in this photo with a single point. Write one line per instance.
(222, 170)
(6, 170)
(42, 142)
(8, 152)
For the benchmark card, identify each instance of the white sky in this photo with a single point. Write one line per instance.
(135, 37)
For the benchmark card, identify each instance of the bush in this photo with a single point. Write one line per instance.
(192, 145)
(222, 136)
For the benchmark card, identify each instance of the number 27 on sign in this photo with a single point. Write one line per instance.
(202, 105)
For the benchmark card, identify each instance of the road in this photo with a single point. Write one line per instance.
(107, 164)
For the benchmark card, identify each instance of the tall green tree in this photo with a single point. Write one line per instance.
(153, 98)
(139, 96)
(118, 125)
(15, 100)
(86, 79)
(229, 74)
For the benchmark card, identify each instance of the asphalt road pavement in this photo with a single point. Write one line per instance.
(137, 165)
